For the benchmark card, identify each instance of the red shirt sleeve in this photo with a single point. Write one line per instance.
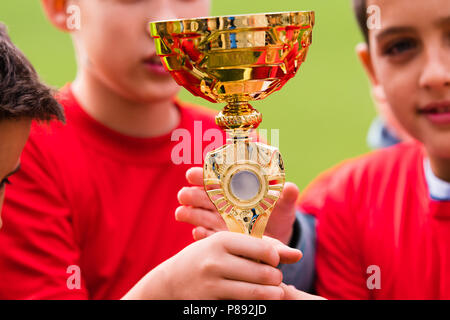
(340, 273)
(39, 255)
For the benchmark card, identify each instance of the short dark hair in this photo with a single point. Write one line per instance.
(22, 94)
(360, 10)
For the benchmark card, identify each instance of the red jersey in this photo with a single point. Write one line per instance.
(380, 234)
(92, 202)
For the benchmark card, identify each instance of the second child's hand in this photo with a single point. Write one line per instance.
(219, 267)
(197, 209)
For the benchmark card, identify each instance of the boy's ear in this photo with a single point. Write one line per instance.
(362, 50)
(56, 12)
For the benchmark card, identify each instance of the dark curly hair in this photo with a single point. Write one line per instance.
(22, 94)
(360, 10)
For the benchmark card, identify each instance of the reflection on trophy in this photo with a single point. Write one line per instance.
(236, 59)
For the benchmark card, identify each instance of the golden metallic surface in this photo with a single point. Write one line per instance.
(234, 58)
(237, 59)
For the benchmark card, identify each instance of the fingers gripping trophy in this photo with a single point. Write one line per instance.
(234, 60)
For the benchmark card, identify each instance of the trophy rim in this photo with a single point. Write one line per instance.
(214, 86)
(249, 15)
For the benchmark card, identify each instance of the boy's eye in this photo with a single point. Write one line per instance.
(400, 46)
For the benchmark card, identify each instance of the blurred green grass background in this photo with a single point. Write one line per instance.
(323, 114)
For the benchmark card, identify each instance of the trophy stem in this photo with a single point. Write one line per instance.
(238, 115)
(238, 135)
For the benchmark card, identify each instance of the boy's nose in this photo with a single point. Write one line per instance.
(166, 10)
(436, 73)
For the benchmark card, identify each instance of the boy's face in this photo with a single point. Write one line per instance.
(13, 136)
(114, 44)
(410, 65)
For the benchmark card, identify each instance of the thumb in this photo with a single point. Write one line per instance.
(283, 214)
(289, 194)
(194, 176)
(285, 207)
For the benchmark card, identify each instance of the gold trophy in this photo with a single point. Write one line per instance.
(236, 59)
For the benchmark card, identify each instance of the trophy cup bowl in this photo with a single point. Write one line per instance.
(234, 60)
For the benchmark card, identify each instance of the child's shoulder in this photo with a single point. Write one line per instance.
(381, 161)
(374, 163)
(363, 173)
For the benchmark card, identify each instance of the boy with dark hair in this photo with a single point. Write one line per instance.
(23, 98)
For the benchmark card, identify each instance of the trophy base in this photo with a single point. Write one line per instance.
(244, 180)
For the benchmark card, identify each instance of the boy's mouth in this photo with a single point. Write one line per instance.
(154, 65)
(437, 112)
